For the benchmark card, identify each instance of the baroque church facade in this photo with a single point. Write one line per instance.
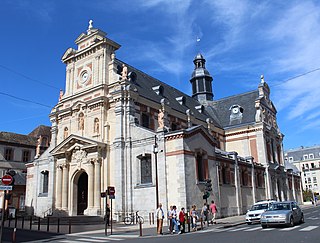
(116, 126)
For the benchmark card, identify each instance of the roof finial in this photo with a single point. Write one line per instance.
(90, 26)
(262, 78)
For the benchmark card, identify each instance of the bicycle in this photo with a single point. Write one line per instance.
(134, 217)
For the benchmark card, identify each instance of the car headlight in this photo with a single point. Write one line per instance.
(263, 216)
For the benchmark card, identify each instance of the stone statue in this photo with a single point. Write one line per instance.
(65, 133)
(81, 122)
(90, 26)
(60, 94)
(124, 72)
(38, 147)
(161, 118)
(96, 125)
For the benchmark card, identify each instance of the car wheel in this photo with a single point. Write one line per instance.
(264, 226)
(302, 219)
(291, 223)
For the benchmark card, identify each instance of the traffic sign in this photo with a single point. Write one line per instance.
(112, 197)
(5, 188)
(7, 179)
(111, 191)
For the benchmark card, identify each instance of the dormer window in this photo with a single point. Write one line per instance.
(200, 108)
(158, 89)
(181, 100)
(236, 112)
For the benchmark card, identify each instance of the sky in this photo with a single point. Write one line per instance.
(240, 40)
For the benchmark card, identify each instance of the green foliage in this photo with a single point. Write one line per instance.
(307, 195)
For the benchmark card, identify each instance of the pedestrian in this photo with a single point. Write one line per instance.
(213, 211)
(204, 212)
(160, 217)
(108, 213)
(194, 217)
(174, 220)
(170, 219)
(182, 218)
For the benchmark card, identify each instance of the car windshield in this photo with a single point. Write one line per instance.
(260, 206)
(280, 206)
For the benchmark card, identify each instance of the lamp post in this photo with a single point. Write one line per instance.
(155, 151)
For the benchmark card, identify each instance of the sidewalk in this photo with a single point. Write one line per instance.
(120, 229)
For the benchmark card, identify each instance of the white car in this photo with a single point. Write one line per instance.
(254, 214)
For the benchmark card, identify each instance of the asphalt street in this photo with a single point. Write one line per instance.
(309, 232)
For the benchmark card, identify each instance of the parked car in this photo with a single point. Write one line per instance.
(282, 213)
(254, 214)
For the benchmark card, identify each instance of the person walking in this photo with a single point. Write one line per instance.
(182, 218)
(170, 219)
(194, 217)
(174, 219)
(160, 217)
(213, 211)
(204, 212)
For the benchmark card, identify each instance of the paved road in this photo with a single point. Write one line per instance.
(309, 232)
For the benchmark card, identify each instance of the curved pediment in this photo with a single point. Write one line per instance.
(69, 52)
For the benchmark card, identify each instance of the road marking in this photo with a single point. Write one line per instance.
(104, 238)
(252, 229)
(243, 228)
(309, 228)
(268, 229)
(91, 240)
(290, 228)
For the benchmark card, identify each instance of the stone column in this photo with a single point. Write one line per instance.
(59, 187)
(97, 184)
(90, 186)
(65, 181)
(237, 183)
(253, 179)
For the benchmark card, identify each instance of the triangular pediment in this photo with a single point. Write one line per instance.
(73, 141)
(80, 37)
(78, 104)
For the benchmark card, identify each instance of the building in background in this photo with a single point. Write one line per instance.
(16, 150)
(307, 160)
(117, 126)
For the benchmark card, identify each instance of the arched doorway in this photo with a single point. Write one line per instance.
(82, 194)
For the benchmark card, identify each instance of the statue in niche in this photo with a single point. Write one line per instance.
(81, 122)
(65, 133)
(161, 119)
(124, 73)
(60, 94)
(96, 125)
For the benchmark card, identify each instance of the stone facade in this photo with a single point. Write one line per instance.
(117, 126)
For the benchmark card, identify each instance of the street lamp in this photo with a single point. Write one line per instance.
(155, 151)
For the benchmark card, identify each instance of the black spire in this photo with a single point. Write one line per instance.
(201, 80)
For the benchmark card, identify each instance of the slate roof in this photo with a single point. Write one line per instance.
(297, 154)
(20, 139)
(144, 84)
(220, 109)
(41, 130)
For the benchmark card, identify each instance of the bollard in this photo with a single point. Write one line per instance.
(201, 222)
(30, 222)
(15, 221)
(152, 218)
(9, 222)
(22, 223)
(140, 227)
(188, 221)
(69, 226)
(38, 223)
(48, 224)
(14, 235)
(58, 226)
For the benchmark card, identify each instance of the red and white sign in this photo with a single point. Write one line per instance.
(6, 179)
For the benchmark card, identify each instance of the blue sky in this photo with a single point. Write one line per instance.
(240, 40)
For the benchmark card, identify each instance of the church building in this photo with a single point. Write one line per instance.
(117, 126)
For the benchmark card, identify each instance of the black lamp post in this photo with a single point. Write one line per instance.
(155, 151)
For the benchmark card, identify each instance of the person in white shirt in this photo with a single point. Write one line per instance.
(160, 217)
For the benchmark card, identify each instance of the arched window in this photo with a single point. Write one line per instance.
(44, 181)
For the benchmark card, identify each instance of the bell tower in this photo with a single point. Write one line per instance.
(201, 80)
(87, 66)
